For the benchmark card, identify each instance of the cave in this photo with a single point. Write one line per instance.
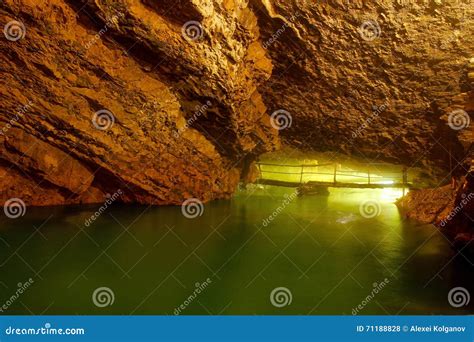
(197, 157)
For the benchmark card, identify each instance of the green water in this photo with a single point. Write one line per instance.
(320, 248)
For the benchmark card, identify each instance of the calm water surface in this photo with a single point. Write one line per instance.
(320, 248)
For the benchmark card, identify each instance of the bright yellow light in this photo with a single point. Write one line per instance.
(386, 182)
(391, 195)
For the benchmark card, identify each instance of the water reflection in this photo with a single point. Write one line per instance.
(321, 248)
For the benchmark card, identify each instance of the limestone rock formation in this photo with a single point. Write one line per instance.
(428, 205)
(450, 209)
(374, 78)
(458, 223)
(101, 96)
(167, 100)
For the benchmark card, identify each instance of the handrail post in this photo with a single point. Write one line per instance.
(404, 178)
(335, 172)
(301, 175)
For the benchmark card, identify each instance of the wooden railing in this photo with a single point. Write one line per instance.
(399, 179)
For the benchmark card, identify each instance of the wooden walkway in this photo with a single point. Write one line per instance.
(333, 185)
(369, 181)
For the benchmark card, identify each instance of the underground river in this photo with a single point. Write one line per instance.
(327, 255)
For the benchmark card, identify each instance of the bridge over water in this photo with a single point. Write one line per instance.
(330, 175)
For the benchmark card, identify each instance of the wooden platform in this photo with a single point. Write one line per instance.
(334, 185)
(368, 181)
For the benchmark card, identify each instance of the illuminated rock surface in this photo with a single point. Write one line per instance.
(130, 62)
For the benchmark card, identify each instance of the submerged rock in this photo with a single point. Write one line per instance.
(308, 189)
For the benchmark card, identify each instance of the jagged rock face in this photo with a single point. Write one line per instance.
(384, 91)
(107, 95)
(450, 208)
(167, 100)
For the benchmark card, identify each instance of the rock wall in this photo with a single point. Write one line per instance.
(167, 100)
(450, 209)
(458, 223)
(428, 205)
(374, 78)
(105, 95)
